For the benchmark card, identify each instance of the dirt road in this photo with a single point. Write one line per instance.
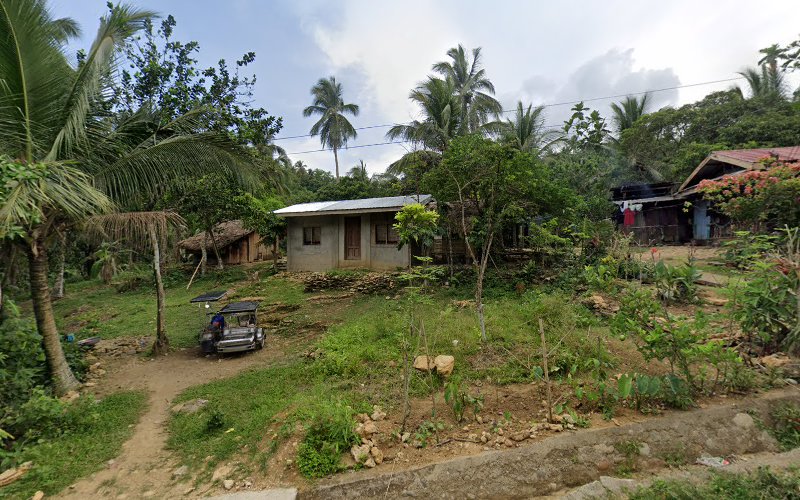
(144, 468)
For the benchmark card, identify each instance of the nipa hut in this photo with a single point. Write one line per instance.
(236, 244)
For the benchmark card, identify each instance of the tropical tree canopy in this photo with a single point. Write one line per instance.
(474, 89)
(628, 111)
(66, 159)
(333, 127)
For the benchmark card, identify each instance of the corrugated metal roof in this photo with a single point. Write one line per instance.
(368, 204)
(791, 153)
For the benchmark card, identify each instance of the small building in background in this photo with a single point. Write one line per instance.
(670, 213)
(347, 234)
(236, 244)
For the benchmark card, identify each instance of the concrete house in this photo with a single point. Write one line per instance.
(346, 234)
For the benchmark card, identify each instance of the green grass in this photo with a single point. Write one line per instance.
(762, 483)
(60, 461)
(361, 364)
(92, 308)
(245, 406)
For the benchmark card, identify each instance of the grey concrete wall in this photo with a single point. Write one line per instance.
(330, 253)
(385, 256)
(320, 257)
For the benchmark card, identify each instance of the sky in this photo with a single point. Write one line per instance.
(537, 52)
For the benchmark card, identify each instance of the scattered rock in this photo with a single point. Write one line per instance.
(360, 452)
(424, 363)
(776, 360)
(180, 471)
(221, 472)
(600, 305)
(444, 364)
(377, 455)
(555, 427)
(405, 437)
(362, 417)
(377, 413)
(370, 463)
(520, 436)
(227, 484)
(38, 495)
(716, 301)
(70, 396)
(188, 490)
(366, 429)
(743, 420)
(190, 407)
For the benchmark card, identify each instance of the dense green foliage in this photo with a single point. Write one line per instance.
(762, 483)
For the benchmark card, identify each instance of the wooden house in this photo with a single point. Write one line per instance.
(667, 213)
(236, 244)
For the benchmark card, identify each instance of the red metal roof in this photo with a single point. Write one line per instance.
(789, 154)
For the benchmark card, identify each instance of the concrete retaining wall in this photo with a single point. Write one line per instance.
(574, 459)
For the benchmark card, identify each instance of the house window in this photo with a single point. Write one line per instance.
(311, 235)
(386, 234)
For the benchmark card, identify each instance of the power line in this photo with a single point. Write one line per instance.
(564, 103)
(349, 147)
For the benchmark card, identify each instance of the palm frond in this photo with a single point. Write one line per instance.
(135, 229)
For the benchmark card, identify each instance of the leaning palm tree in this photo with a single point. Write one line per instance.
(766, 82)
(527, 131)
(143, 230)
(62, 159)
(474, 89)
(333, 128)
(628, 111)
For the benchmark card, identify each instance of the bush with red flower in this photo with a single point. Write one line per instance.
(762, 199)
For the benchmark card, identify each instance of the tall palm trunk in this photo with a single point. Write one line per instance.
(336, 159)
(58, 286)
(161, 345)
(60, 372)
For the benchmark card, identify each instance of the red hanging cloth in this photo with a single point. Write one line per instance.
(628, 217)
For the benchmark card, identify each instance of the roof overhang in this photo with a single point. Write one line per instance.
(715, 157)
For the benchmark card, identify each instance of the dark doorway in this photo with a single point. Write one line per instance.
(352, 238)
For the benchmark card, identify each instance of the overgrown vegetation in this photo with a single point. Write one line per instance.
(763, 483)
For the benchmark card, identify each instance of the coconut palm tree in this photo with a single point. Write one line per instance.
(527, 131)
(333, 128)
(628, 111)
(62, 159)
(766, 82)
(442, 116)
(474, 89)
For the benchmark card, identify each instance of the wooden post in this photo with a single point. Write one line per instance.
(546, 372)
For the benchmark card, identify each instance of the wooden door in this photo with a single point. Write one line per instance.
(352, 238)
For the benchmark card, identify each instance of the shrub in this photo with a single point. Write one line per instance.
(27, 410)
(746, 248)
(766, 304)
(330, 433)
(458, 399)
(786, 425)
(676, 283)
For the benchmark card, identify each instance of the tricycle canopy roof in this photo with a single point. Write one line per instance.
(209, 296)
(238, 307)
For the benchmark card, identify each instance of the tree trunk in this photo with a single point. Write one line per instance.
(161, 345)
(58, 286)
(60, 372)
(479, 286)
(203, 255)
(336, 158)
(216, 249)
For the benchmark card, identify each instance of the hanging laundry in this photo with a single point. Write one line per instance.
(628, 217)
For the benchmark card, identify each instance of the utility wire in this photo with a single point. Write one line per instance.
(563, 103)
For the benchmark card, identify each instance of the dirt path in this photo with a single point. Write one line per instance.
(144, 468)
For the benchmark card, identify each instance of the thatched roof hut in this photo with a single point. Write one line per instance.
(236, 243)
